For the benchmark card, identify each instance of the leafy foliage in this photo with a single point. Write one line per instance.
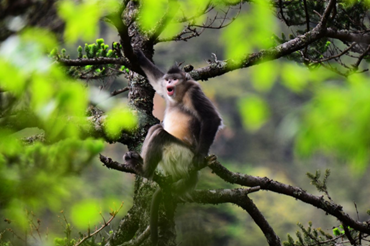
(334, 122)
(43, 119)
(43, 125)
(92, 51)
(310, 236)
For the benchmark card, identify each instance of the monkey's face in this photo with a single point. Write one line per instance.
(172, 84)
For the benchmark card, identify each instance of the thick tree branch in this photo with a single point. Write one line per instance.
(221, 195)
(348, 36)
(109, 163)
(299, 194)
(326, 15)
(252, 181)
(95, 61)
(222, 67)
(248, 205)
(239, 196)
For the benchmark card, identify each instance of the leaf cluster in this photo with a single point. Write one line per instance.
(310, 236)
(91, 52)
(320, 184)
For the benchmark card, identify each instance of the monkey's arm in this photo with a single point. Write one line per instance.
(210, 121)
(154, 75)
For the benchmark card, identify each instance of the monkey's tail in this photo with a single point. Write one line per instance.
(156, 199)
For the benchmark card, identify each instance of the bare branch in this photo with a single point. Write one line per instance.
(113, 215)
(366, 52)
(239, 196)
(116, 92)
(325, 17)
(331, 57)
(271, 185)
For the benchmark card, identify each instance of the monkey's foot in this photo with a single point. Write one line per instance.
(199, 161)
(133, 159)
(211, 159)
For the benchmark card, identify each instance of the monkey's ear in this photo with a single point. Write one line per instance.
(174, 69)
(179, 64)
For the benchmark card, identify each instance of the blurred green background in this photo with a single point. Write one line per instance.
(281, 121)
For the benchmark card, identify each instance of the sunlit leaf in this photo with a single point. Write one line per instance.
(83, 16)
(255, 34)
(264, 75)
(152, 12)
(254, 112)
(11, 78)
(119, 119)
(9, 144)
(335, 123)
(294, 77)
(17, 214)
(194, 9)
(233, 47)
(43, 37)
(86, 214)
(42, 100)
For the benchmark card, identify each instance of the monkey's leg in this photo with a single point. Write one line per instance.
(133, 158)
(152, 151)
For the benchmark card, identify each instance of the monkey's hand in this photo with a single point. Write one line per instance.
(133, 159)
(199, 161)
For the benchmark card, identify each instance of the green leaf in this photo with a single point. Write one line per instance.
(12, 79)
(151, 13)
(264, 75)
(234, 48)
(336, 231)
(254, 112)
(42, 37)
(83, 16)
(118, 119)
(86, 214)
(256, 34)
(335, 123)
(17, 214)
(294, 77)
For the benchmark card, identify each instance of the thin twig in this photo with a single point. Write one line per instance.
(113, 215)
(116, 92)
(355, 66)
(307, 23)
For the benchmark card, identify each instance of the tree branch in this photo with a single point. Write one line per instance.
(299, 194)
(238, 196)
(95, 61)
(222, 67)
(348, 36)
(248, 205)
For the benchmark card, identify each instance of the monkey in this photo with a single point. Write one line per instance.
(182, 140)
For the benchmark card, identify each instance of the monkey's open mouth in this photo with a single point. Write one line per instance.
(170, 90)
